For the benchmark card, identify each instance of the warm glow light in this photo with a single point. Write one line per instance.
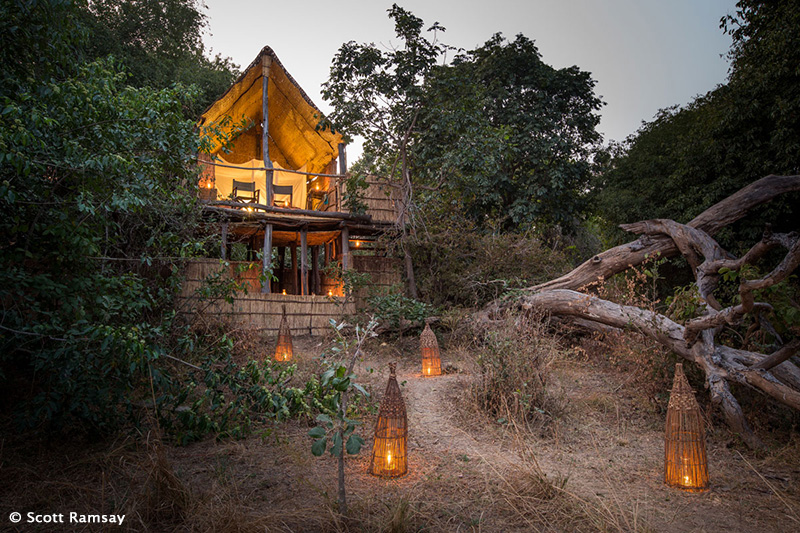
(250, 209)
(389, 458)
(429, 348)
(284, 291)
(358, 243)
(317, 187)
(685, 459)
(208, 184)
(330, 292)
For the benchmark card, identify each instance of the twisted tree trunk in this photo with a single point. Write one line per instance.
(773, 374)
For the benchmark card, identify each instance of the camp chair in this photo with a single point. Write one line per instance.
(283, 189)
(246, 187)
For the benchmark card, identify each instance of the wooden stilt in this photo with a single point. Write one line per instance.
(304, 262)
(295, 284)
(266, 285)
(223, 249)
(346, 265)
(315, 283)
(281, 268)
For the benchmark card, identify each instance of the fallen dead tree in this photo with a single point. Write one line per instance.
(774, 374)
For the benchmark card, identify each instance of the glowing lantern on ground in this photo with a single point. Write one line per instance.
(431, 362)
(685, 461)
(283, 351)
(389, 449)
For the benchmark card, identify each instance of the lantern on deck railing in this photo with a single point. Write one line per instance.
(431, 362)
(685, 461)
(283, 351)
(389, 449)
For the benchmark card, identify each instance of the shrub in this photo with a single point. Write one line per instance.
(513, 372)
(469, 269)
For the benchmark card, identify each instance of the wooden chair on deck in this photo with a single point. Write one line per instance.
(283, 189)
(240, 187)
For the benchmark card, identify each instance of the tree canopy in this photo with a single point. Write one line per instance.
(690, 157)
(509, 138)
(95, 189)
(159, 43)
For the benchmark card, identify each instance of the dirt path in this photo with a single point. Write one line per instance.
(610, 453)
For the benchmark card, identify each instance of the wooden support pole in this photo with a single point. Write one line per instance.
(224, 245)
(281, 268)
(266, 285)
(328, 254)
(295, 285)
(315, 282)
(342, 160)
(346, 265)
(304, 262)
(266, 63)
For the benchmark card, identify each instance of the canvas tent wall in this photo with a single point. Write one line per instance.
(294, 141)
(253, 171)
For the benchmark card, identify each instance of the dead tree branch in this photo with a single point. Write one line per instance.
(775, 375)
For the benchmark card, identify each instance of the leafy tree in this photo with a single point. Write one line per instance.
(94, 180)
(378, 95)
(507, 138)
(689, 158)
(159, 42)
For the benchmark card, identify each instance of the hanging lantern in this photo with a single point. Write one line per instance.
(283, 351)
(389, 449)
(685, 462)
(431, 362)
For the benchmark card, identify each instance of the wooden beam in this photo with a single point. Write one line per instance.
(266, 286)
(266, 63)
(224, 245)
(294, 270)
(212, 206)
(304, 262)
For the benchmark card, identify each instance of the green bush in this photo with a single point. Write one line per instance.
(468, 269)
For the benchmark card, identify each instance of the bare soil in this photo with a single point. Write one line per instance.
(598, 466)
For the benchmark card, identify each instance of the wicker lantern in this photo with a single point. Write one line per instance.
(431, 362)
(283, 351)
(389, 449)
(685, 462)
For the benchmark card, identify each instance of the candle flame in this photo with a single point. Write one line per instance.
(389, 458)
(284, 291)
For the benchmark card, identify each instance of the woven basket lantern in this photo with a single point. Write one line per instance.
(685, 462)
(389, 449)
(283, 351)
(431, 362)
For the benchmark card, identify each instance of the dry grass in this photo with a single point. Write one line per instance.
(513, 372)
(597, 468)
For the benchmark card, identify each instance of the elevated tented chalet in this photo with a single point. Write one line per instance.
(272, 184)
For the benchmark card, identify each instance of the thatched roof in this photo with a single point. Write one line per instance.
(293, 137)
